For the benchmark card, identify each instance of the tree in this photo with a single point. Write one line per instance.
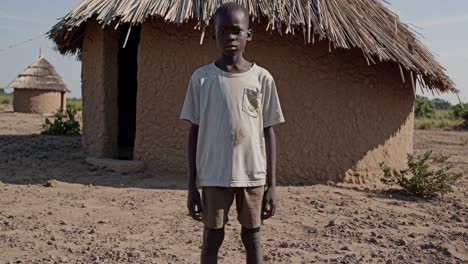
(441, 104)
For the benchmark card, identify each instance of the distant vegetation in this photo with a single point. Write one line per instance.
(75, 103)
(440, 114)
(5, 98)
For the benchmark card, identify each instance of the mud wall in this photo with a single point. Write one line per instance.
(37, 101)
(342, 116)
(99, 90)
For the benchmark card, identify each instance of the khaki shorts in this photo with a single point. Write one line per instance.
(216, 202)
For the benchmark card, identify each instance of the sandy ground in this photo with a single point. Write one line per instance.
(90, 215)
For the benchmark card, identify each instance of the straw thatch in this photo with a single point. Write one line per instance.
(366, 24)
(40, 75)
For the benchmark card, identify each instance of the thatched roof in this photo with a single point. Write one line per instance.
(366, 24)
(40, 75)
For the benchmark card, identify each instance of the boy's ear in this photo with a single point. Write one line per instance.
(249, 34)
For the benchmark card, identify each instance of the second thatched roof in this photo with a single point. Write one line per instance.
(365, 24)
(40, 75)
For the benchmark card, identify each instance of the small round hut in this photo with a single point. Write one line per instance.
(39, 89)
(345, 70)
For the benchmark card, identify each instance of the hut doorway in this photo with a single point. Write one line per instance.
(127, 90)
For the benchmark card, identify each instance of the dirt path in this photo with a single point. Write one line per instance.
(90, 215)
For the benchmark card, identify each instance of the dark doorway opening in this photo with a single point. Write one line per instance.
(127, 90)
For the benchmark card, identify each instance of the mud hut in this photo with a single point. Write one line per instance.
(346, 72)
(39, 89)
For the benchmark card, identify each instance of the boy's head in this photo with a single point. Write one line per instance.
(232, 28)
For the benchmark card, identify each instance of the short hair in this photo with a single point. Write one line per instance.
(229, 7)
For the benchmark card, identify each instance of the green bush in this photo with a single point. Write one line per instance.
(443, 114)
(424, 107)
(443, 123)
(419, 179)
(464, 115)
(461, 111)
(63, 123)
(5, 101)
(424, 123)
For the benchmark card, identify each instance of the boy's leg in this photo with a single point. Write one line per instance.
(216, 202)
(253, 248)
(212, 240)
(249, 213)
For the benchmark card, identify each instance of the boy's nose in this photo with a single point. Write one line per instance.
(231, 37)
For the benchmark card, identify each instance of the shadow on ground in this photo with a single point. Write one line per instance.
(389, 194)
(36, 159)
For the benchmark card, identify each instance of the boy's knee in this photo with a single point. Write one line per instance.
(250, 235)
(213, 237)
(247, 231)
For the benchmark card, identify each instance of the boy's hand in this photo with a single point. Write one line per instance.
(194, 203)
(269, 203)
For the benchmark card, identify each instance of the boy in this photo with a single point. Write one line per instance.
(232, 105)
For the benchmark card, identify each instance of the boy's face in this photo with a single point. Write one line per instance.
(232, 32)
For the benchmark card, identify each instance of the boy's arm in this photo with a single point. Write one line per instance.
(194, 200)
(191, 155)
(269, 200)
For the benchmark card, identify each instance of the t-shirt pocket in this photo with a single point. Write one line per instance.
(252, 102)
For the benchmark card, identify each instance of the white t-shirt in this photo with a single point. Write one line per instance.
(231, 110)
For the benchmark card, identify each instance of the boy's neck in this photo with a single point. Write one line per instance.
(234, 64)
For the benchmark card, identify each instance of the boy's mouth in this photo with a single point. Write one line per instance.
(230, 46)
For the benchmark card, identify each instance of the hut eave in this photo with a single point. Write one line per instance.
(365, 24)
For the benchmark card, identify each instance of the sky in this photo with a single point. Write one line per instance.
(443, 25)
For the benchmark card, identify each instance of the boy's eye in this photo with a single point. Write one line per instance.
(233, 31)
